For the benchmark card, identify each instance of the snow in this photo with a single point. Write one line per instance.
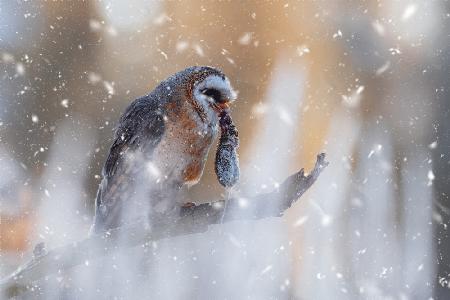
(409, 12)
(162, 19)
(259, 108)
(302, 50)
(20, 69)
(354, 99)
(395, 51)
(94, 77)
(153, 170)
(198, 49)
(7, 57)
(164, 54)
(65, 103)
(34, 118)
(383, 68)
(284, 115)
(95, 25)
(430, 177)
(337, 34)
(109, 86)
(266, 269)
(246, 38)
(300, 221)
(366, 83)
(181, 46)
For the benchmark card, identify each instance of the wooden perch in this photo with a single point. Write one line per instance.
(193, 219)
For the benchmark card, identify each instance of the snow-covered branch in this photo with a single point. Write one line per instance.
(193, 219)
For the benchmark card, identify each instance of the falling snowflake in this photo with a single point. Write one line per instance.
(34, 118)
(430, 177)
(245, 39)
(65, 103)
(409, 11)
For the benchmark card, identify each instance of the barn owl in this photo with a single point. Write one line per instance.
(160, 145)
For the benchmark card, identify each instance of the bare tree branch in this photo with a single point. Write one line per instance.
(193, 219)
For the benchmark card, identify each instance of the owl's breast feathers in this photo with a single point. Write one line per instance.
(186, 142)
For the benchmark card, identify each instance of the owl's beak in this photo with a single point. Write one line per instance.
(223, 105)
(219, 107)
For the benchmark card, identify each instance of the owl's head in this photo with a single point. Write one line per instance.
(212, 86)
(208, 87)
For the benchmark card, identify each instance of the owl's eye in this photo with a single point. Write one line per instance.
(213, 93)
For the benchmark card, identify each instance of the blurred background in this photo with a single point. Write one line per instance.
(366, 81)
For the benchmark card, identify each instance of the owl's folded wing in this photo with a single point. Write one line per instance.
(140, 127)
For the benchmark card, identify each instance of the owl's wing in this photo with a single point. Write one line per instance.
(138, 126)
(141, 126)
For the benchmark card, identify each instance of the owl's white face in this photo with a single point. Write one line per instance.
(214, 92)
